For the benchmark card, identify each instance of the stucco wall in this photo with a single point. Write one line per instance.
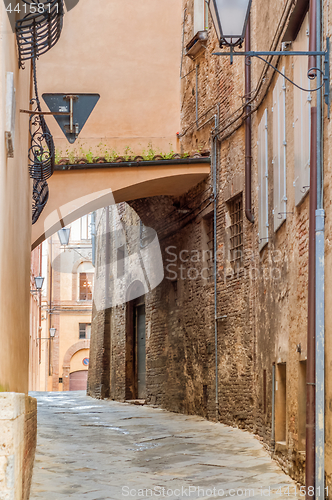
(133, 63)
(15, 223)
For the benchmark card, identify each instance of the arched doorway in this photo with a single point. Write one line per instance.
(70, 368)
(135, 342)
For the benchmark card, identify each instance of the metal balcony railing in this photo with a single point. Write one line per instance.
(39, 30)
(36, 33)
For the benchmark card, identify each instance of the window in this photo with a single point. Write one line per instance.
(302, 105)
(279, 152)
(86, 227)
(86, 285)
(201, 16)
(264, 392)
(236, 232)
(263, 202)
(120, 261)
(85, 330)
(208, 244)
(280, 415)
(302, 404)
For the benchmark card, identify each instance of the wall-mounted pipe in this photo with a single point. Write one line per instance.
(311, 348)
(215, 247)
(196, 94)
(247, 125)
(319, 272)
(312, 37)
(273, 440)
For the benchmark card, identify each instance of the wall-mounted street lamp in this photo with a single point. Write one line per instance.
(52, 332)
(230, 19)
(39, 281)
(51, 337)
(64, 235)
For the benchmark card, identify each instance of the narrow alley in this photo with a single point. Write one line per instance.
(97, 450)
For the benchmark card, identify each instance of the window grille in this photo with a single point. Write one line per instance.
(236, 232)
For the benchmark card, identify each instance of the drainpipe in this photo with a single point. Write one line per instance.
(93, 238)
(215, 206)
(310, 405)
(50, 346)
(247, 125)
(273, 441)
(40, 304)
(320, 270)
(196, 94)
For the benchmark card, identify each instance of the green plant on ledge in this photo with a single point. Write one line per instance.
(103, 153)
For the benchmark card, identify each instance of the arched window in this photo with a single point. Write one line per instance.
(85, 273)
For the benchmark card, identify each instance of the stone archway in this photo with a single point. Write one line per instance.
(78, 346)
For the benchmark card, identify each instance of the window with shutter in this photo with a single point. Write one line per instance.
(279, 151)
(262, 153)
(302, 104)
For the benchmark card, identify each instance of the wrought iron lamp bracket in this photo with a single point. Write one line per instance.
(261, 54)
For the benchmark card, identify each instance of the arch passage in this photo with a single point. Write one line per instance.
(75, 191)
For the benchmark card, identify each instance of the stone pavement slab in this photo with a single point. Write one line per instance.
(104, 450)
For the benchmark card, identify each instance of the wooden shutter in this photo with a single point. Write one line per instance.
(279, 152)
(302, 104)
(263, 207)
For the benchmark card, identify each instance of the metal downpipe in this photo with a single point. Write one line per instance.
(247, 125)
(215, 205)
(320, 302)
(273, 441)
(310, 396)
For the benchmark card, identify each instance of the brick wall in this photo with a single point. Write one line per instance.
(265, 303)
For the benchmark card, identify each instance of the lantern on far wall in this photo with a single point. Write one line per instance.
(63, 235)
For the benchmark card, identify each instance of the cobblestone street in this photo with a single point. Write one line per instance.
(98, 450)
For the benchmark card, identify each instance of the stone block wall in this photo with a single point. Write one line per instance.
(18, 422)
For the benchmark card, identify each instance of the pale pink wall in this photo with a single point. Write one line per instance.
(128, 52)
(15, 223)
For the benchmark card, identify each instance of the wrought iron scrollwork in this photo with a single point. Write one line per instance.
(36, 33)
(41, 154)
(40, 28)
(39, 198)
(42, 151)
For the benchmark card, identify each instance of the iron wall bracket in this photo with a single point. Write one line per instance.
(261, 54)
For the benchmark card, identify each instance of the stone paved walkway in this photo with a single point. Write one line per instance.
(97, 450)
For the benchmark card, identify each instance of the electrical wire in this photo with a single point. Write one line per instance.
(262, 80)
